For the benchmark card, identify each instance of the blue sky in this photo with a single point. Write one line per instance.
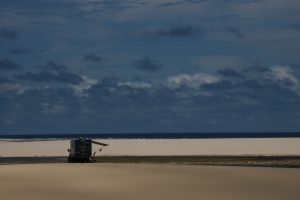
(97, 66)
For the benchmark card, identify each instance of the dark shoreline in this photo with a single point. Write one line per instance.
(247, 161)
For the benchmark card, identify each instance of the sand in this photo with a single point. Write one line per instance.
(136, 182)
(254, 146)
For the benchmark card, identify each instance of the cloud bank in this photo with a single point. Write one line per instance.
(225, 100)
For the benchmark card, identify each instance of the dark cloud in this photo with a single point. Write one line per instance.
(49, 101)
(235, 32)
(68, 77)
(4, 80)
(112, 99)
(219, 86)
(226, 96)
(230, 73)
(228, 99)
(177, 31)
(123, 5)
(250, 84)
(171, 3)
(47, 76)
(230, 103)
(8, 65)
(179, 2)
(8, 34)
(19, 51)
(256, 68)
(52, 72)
(111, 6)
(53, 66)
(147, 64)
(109, 81)
(93, 58)
(67, 9)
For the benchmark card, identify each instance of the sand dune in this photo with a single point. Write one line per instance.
(121, 181)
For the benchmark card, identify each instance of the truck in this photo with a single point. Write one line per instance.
(80, 150)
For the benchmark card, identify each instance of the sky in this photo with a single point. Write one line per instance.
(139, 66)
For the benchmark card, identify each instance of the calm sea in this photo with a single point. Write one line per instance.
(158, 135)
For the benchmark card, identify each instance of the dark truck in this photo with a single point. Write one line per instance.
(81, 150)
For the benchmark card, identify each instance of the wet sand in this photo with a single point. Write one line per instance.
(135, 182)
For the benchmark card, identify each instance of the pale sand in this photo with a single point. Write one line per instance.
(271, 146)
(143, 182)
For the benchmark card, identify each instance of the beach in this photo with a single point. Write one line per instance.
(161, 147)
(135, 182)
(153, 169)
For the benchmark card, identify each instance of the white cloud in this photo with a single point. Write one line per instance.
(9, 87)
(193, 81)
(137, 85)
(84, 85)
(282, 74)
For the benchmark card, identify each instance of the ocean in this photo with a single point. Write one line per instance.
(157, 135)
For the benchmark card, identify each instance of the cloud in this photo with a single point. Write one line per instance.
(237, 95)
(176, 31)
(147, 64)
(8, 34)
(8, 65)
(19, 51)
(115, 97)
(256, 68)
(85, 85)
(198, 100)
(190, 99)
(136, 85)
(47, 102)
(284, 76)
(171, 3)
(218, 86)
(12, 88)
(257, 79)
(193, 81)
(179, 2)
(109, 81)
(107, 6)
(212, 63)
(283, 73)
(53, 66)
(227, 72)
(93, 58)
(235, 32)
(46, 76)
(4, 80)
